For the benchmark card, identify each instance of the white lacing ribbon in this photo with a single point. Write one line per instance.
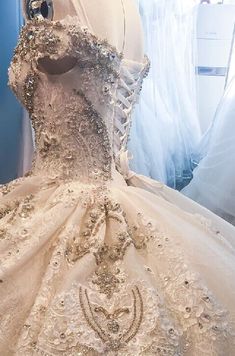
(127, 93)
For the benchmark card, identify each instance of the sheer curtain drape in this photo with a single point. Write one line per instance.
(213, 183)
(166, 129)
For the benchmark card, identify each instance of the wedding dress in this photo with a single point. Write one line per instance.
(89, 264)
(213, 183)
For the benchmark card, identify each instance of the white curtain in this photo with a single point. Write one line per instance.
(166, 129)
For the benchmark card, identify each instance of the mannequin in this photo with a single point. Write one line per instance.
(119, 24)
(109, 24)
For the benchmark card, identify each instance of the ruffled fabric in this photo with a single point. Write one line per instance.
(111, 271)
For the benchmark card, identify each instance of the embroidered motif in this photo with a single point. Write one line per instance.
(113, 327)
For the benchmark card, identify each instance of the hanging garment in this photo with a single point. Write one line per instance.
(213, 183)
(166, 129)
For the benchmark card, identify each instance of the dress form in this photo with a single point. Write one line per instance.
(116, 21)
(107, 20)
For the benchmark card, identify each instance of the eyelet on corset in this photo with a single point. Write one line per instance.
(39, 9)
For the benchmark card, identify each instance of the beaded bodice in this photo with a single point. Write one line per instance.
(82, 117)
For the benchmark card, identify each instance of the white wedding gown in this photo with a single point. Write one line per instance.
(213, 183)
(91, 265)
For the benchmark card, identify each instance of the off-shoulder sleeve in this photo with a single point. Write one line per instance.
(56, 40)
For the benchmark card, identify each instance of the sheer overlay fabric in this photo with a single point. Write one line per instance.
(166, 129)
(213, 180)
